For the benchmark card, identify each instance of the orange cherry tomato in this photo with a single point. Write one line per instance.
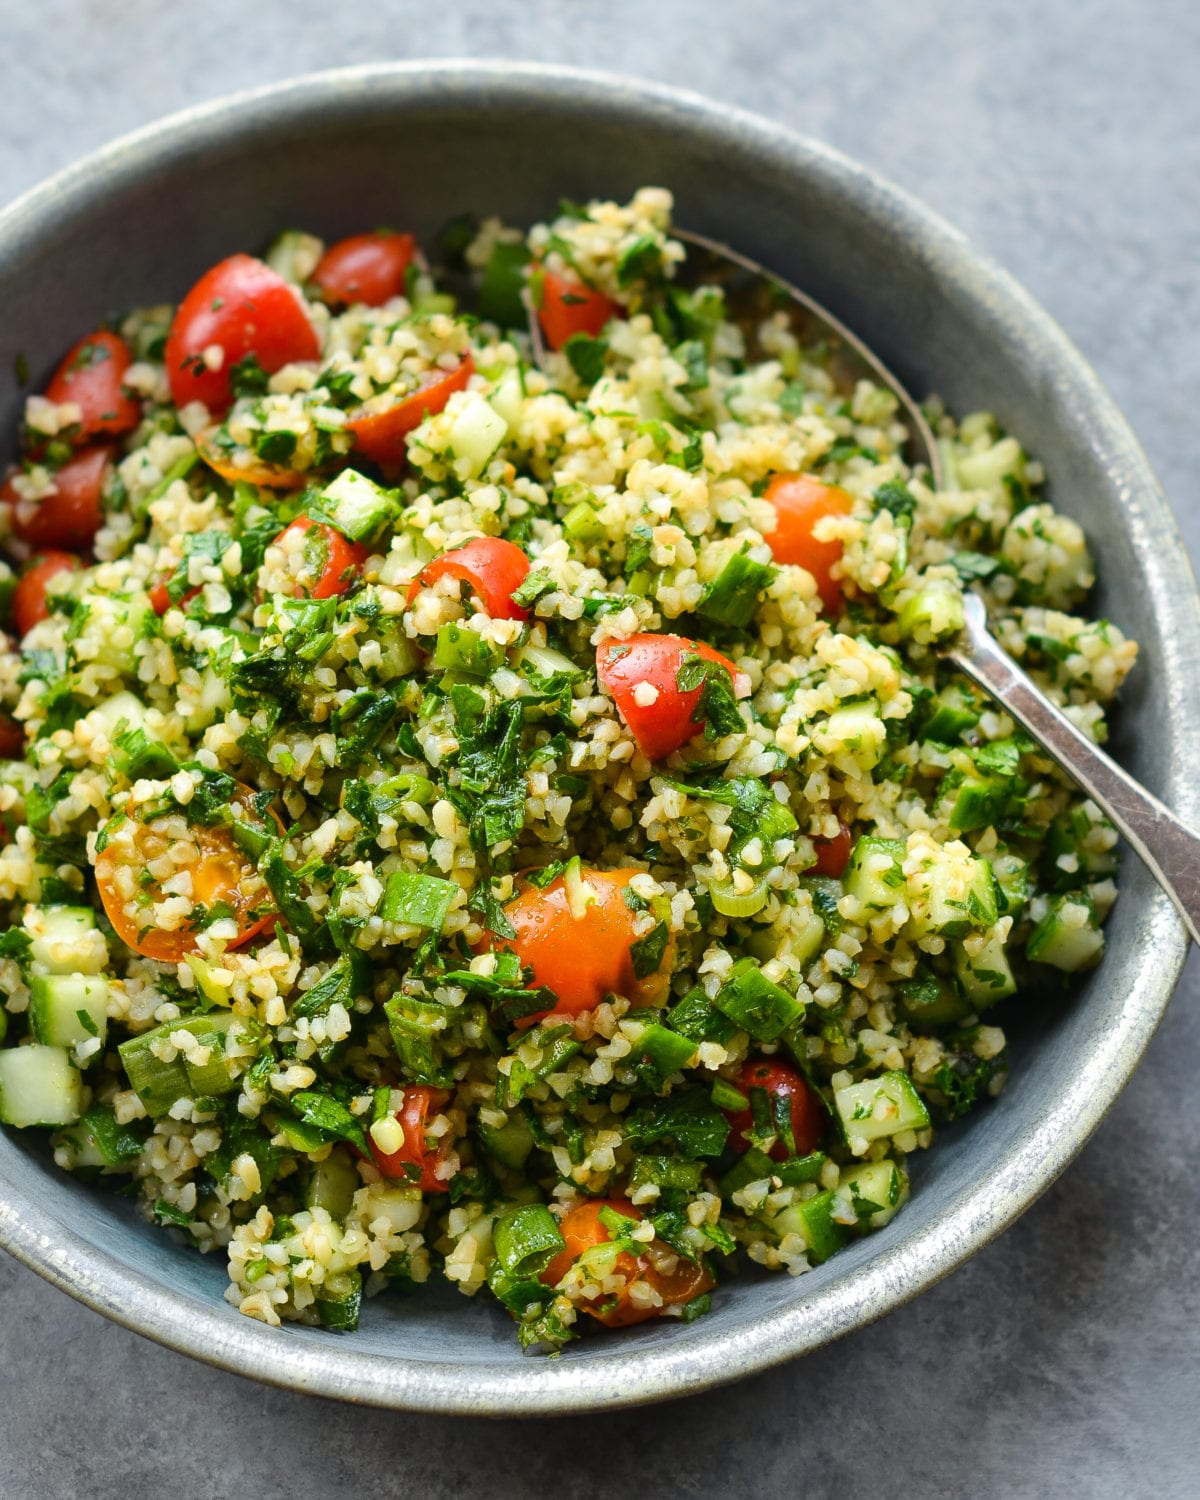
(71, 516)
(12, 739)
(569, 307)
(240, 307)
(130, 886)
(29, 597)
(583, 1229)
(801, 501)
(833, 855)
(780, 1082)
(581, 959)
(91, 377)
(367, 268)
(381, 435)
(416, 1153)
(330, 563)
(242, 464)
(667, 720)
(494, 568)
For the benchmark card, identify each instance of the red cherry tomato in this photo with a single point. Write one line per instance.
(29, 597)
(801, 501)
(380, 435)
(74, 513)
(586, 958)
(668, 720)
(12, 739)
(583, 1229)
(569, 307)
(91, 377)
(416, 1151)
(160, 599)
(365, 268)
(328, 557)
(493, 567)
(241, 307)
(780, 1082)
(833, 855)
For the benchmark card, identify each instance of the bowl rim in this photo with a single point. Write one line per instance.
(631, 1375)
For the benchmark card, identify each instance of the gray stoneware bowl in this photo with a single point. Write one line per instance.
(413, 146)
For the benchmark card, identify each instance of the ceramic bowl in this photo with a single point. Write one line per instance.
(413, 146)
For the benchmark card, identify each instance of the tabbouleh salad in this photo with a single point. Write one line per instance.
(505, 822)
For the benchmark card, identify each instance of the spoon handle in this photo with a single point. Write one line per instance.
(1169, 848)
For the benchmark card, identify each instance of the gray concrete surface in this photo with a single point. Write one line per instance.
(1065, 1360)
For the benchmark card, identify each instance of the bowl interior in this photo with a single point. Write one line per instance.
(413, 148)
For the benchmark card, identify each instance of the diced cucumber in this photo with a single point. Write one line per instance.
(356, 505)
(546, 662)
(332, 1184)
(755, 1004)
(508, 399)
(952, 713)
(1080, 847)
(67, 1009)
(294, 255)
(582, 524)
(876, 1191)
(732, 597)
(160, 1084)
(986, 976)
(474, 435)
(114, 624)
(39, 1086)
(1068, 936)
(124, 710)
(459, 649)
(511, 1143)
(813, 1220)
(65, 940)
(856, 733)
(978, 802)
(340, 1302)
(933, 612)
(99, 1141)
(931, 1001)
(878, 1107)
(1012, 883)
(953, 893)
(874, 876)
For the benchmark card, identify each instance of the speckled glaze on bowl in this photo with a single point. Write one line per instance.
(414, 145)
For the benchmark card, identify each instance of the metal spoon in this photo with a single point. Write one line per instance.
(1169, 849)
(753, 294)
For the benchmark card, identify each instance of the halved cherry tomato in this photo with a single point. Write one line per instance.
(581, 959)
(583, 1229)
(833, 855)
(130, 887)
(91, 376)
(416, 1151)
(780, 1082)
(160, 599)
(647, 667)
(243, 465)
(380, 435)
(366, 268)
(29, 597)
(327, 557)
(569, 307)
(494, 568)
(74, 513)
(12, 739)
(240, 307)
(801, 501)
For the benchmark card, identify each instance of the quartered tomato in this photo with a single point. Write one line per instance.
(569, 307)
(380, 434)
(494, 568)
(673, 1278)
(833, 855)
(780, 1082)
(416, 1160)
(366, 268)
(241, 464)
(91, 376)
(140, 857)
(801, 501)
(326, 562)
(71, 516)
(160, 598)
(29, 597)
(642, 675)
(585, 954)
(238, 308)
